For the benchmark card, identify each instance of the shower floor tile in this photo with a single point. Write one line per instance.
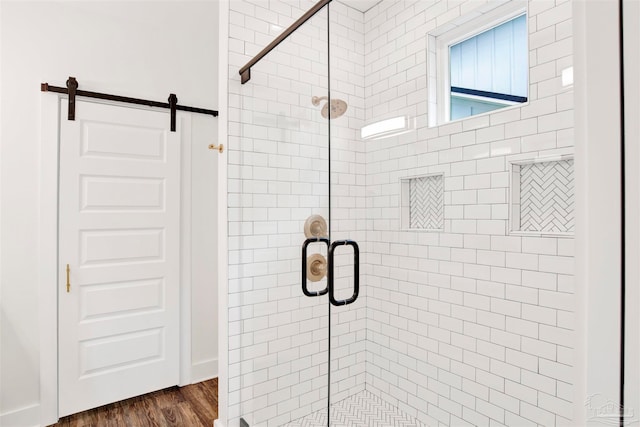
(363, 409)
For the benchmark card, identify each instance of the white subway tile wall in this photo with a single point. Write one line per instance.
(468, 326)
(485, 335)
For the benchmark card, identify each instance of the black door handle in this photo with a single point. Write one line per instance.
(356, 272)
(305, 290)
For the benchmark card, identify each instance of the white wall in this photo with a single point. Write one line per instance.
(138, 49)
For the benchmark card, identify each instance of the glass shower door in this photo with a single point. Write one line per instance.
(348, 281)
(424, 273)
(278, 200)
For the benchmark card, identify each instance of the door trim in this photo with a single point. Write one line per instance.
(47, 262)
(223, 254)
(631, 37)
(598, 200)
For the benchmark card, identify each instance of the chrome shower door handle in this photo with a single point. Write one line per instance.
(306, 290)
(356, 272)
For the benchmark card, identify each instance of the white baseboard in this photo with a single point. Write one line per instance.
(29, 416)
(217, 423)
(204, 370)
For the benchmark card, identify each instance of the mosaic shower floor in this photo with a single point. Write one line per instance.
(363, 409)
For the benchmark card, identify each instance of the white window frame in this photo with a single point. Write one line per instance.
(454, 32)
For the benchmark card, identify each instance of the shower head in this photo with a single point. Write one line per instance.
(338, 106)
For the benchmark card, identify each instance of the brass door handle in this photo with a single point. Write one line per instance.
(220, 147)
(68, 279)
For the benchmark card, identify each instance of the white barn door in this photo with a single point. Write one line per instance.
(119, 235)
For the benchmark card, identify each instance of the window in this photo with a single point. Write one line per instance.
(481, 64)
(489, 71)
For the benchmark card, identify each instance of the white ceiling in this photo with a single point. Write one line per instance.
(361, 5)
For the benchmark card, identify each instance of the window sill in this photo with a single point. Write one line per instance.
(488, 113)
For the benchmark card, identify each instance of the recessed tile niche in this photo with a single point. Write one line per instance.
(422, 203)
(543, 197)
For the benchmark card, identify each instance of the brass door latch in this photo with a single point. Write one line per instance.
(220, 147)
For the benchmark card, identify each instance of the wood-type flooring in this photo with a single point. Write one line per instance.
(194, 405)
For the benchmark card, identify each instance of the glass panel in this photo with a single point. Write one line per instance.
(278, 178)
(488, 69)
(459, 310)
(493, 61)
(348, 207)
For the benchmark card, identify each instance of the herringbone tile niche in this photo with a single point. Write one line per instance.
(422, 206)
(542, 197)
